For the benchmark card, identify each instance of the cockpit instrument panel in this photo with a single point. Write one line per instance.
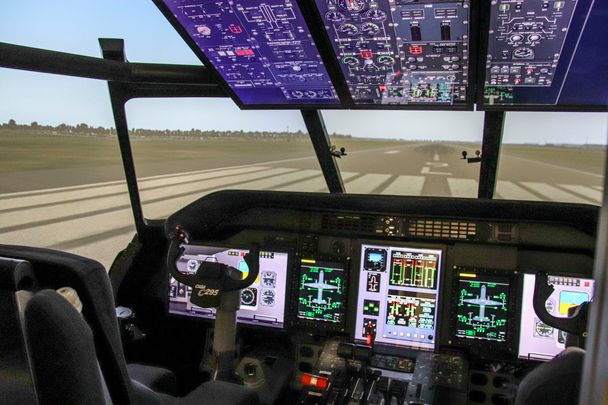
(322, 292)
(483, 308)
(537, 340)
(262, 303)
(401, 52)
(263, 50)
(546, 53)
(398, 296)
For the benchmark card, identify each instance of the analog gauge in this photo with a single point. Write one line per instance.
(269, 279)
(268, 297)
(334, 16)
(549, 306)
(523, 53)
(248, 297)
(348, 29)
(386, 60)
(352, 6)
(543, 329)
(370, 29)
(193, 265)
(350, 61)
(203, 29)
(376, 15)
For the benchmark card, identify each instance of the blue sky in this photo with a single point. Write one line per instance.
(74, 26)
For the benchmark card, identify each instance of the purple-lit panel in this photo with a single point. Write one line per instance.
(263, 50)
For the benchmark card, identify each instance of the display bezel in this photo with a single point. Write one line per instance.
(317, 324)
(240, 324)
(386, 348)
(484, 27)
(480, 347)
(549, 274)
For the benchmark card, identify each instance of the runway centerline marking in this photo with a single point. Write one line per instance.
(392, 152)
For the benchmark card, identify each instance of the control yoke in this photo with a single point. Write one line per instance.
(211, 279)
(575, 325)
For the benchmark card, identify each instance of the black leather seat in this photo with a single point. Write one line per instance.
(557, 382)
(55, 269)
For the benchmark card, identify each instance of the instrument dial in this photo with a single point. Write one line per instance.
(386, 60)
(248, 296)
(334, 16)
(348, 29)
(193, 265)
(268, 297)
(350, 61)
(376, 15)
(353, 6)
(370, 28)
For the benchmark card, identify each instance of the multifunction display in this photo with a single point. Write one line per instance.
(322, 291)
(262, 303)
(262, 49)
(398, 296)
(542, 51)
(483, 307)
(538, 340)
(400, 51)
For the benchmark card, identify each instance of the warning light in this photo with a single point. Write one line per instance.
(382, 88)
(367, 54)
(415, 50)
(235, 29)
(309, 380)
(587, 284)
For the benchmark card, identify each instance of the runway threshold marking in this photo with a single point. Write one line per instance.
(405, 185)
(463, 187)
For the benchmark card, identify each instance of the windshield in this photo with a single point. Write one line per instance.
(407, 152)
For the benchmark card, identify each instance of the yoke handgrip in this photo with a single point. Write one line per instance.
(542, 292)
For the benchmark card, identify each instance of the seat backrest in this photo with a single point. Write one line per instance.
(54, 269)
(556, 382)
(62, 352)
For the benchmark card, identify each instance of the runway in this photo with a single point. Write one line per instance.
(95, 219)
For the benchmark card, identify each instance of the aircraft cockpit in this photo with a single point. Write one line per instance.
(290, 295)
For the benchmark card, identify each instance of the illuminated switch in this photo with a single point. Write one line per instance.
(415, 50)
(235, 29)
(367, 54)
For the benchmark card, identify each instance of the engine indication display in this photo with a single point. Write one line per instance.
(396, 52)
(398, 296)
(263, 50)
(483, 308)
(322, 291)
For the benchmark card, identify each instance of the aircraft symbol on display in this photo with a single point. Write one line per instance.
(320, 285)
(483, 301)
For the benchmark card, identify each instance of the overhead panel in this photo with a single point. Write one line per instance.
(547, 53)
(263, 50)
(401, 52)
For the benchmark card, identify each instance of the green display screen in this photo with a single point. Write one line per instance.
(483, 308)
(321, 291)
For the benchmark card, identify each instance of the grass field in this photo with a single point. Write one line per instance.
(29, 152)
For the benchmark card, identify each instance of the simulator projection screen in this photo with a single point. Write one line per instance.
(322, 291)
(547, 52)
(483, 308)
(263, 50)
(401, 51)
(537, 340)
(398, 296)
(262, 303)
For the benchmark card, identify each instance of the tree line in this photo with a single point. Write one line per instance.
(12, 127)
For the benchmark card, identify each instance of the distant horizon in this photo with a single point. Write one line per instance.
(41, 126)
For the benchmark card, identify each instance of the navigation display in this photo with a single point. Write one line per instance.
(263, 50)
(322, 291)
(398, 296)
(262, 303)
(547, 52)
(537, 340)
(401, 52)
(483, 307)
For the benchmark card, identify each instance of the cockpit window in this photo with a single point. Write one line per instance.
(410, 153)
(185, 149)
(553, 157)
